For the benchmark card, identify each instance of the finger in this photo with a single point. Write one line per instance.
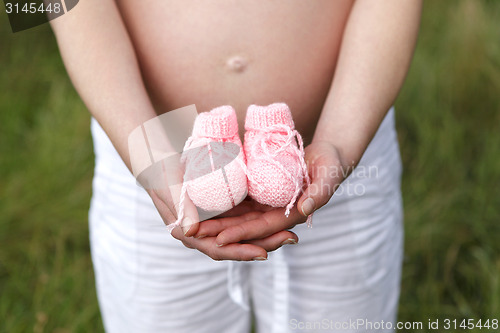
(173, 176)
(276, 240)
(261, 227)
(215, 226)
(190, 222)
(326, 176)
(239, 252)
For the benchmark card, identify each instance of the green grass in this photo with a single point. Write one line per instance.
(448, 117)
(46, 278)
(449, 125)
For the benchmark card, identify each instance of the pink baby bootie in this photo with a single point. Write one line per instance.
(276, 168)
(214, 163)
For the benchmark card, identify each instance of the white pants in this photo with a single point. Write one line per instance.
(344, 271)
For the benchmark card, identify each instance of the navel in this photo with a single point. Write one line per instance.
(237, 64)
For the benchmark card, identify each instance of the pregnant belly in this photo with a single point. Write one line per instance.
(238, 52)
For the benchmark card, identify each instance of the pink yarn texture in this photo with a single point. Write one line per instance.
(276, 168)
(214, 176)
(217, 176)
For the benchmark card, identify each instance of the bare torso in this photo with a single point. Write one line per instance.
(238, 52)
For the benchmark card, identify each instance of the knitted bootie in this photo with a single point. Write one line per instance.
(214, 163)
(275, 163)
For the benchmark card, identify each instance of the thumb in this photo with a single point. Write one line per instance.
(190, 223)
(326, 172)
(187, 211)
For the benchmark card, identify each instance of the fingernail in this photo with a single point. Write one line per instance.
(308, 206)
(219, 245)
(200, 236)
(186, 225)
(259, 259)
(289, 241)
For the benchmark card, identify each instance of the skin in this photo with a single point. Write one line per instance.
(339, 65)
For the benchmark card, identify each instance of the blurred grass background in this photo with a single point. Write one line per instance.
(449, 126)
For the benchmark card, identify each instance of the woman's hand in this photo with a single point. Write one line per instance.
(326, 171)
(257, 249)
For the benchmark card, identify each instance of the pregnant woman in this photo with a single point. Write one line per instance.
(338, 65)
